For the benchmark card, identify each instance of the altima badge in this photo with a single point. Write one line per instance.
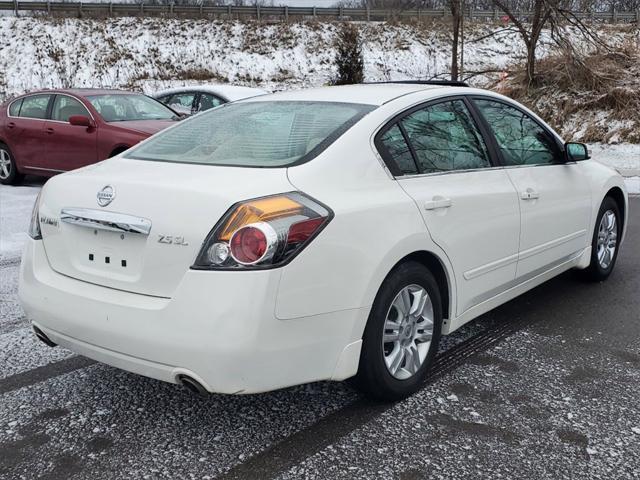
(106, 195)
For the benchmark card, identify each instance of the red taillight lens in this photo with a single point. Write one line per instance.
(301, 231)
(266, 231)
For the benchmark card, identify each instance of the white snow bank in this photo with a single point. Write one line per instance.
(16, 204)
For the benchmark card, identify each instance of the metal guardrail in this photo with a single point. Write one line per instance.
(207, 10)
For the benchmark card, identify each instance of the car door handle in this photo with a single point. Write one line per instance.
(50, 131)
(437, 202)
(11, 125)
(529, 194)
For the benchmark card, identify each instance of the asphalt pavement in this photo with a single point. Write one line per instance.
(546, 386)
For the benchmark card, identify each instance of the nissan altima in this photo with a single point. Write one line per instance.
(312, 235)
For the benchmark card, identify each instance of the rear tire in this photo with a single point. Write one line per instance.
(402, 334)
(605, 241)
(9, 174)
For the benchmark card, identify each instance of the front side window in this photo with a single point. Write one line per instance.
(129, 107)
(181, 102)
(35, 106)
(521, 140)
(208, 101)
(253, 134)
(14, 108)
(65, 107)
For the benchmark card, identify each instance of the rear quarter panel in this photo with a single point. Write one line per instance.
(376, 224)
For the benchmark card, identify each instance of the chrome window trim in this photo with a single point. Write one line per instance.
(27, 96)
(495, 167)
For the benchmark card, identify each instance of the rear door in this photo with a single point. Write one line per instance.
(554, 197)
(25, 130)
(470, 208)
(66, 146)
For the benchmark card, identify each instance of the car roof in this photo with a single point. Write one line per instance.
(229, 92)
(81, 92)
(370, 94)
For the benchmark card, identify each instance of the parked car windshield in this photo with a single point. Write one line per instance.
(126, 107)
(254, 134)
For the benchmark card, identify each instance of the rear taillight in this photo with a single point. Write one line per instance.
(263, 232)
(34, 225)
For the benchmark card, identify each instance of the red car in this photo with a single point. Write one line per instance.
(53, 131)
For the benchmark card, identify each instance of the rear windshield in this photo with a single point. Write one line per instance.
(253, 134)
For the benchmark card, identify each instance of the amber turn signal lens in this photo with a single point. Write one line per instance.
(261, 210)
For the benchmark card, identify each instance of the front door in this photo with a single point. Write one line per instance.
(67, 146)
(470, 208)
(554, 197)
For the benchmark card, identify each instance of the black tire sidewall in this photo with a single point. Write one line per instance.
(373, 374)
(596, 270)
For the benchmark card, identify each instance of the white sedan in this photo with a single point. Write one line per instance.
(196, 99)
(314, 235)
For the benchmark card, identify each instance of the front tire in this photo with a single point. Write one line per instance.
(9, 174)
(402, 334)
(605, 241)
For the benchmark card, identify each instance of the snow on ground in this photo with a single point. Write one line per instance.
(16, 204)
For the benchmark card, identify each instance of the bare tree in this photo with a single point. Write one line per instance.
(457, 17)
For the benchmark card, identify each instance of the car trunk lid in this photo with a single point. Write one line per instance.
(155, 218)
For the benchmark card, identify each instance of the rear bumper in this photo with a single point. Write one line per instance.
(219, 328)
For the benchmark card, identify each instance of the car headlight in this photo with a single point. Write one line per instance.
(263, 233)
(34, 226)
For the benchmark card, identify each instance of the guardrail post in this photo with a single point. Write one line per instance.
(202, 9)
(638, 16)
(615, 15)
(111, 9)
(340, 13)
(258, 11)
(286, 13)
(48, 7)
(368, 14)
(495, 13)
(171, 8)
(141, 8)
(229, 10)
(314, 13)
(15, 7)
(80, 9)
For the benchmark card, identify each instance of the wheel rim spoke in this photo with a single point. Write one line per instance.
(607, 239)
(408, 331)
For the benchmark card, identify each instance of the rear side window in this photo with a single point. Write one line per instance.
(35, 106)
(521, 140)
(181, 102)
(65, 107)
(253, 134)
(14, 108)
(442, 137)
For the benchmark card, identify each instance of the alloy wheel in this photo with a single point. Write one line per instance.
(607, 239)
(5, 164)
(408, 330)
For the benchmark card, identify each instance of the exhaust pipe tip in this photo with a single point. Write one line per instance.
(192, 385)
(43, 338)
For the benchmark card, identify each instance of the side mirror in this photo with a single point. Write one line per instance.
(81, 121)
(576, 152)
